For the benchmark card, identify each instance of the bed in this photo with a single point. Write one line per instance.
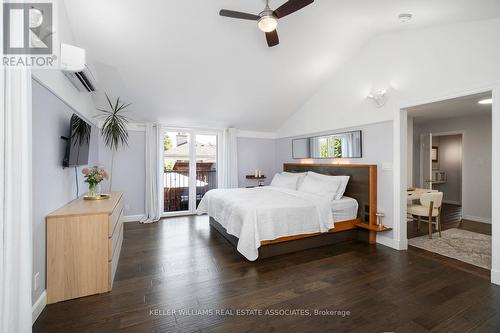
(266, 221)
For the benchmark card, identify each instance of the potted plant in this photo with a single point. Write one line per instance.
(114, 129)
(93, 177)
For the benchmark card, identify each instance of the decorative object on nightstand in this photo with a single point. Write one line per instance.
(380, 215)
(256, 176)
(93, 177)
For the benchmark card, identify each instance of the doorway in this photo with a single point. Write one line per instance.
(449, 158)
(189, 169)
(437, 166)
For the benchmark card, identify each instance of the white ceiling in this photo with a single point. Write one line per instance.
(180, 63)
(456, 107)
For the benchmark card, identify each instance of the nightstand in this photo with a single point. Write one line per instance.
(260, 180)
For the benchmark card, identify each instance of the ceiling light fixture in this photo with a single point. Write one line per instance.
(379, 97)
(267, 23)
(486, 101)
(405, 17)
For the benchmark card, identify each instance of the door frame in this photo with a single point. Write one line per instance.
(400, 160)
(421, 152)
(192, 165)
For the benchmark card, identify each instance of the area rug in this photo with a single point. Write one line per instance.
(466, 246)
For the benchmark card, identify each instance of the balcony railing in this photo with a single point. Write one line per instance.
(176, 188)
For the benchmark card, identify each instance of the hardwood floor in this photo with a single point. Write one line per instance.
(451, 217)
(180, 263)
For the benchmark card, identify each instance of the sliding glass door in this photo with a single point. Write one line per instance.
(189, 169)
(206, 164)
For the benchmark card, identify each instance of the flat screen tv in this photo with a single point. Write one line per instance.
(78, 143)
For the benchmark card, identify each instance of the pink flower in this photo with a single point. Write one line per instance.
(106, 176)
(85, 171)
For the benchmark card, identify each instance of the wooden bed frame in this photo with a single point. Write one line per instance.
(362, 186)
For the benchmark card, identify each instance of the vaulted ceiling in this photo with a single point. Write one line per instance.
(182, 64)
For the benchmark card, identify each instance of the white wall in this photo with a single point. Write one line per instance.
(377, 149)
(256, 153)
(476, 168)
(413, 64)
(55, 80)
(53, 185)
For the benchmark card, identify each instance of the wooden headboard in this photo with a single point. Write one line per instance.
(362, 184)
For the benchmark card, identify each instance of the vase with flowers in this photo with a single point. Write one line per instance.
(93, 176)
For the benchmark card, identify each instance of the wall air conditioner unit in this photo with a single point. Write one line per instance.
(76, 69)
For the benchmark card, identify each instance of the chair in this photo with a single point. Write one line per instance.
(430, 206)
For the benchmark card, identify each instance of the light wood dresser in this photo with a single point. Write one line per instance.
(84, 240)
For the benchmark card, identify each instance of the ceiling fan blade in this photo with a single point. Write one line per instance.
(291, 6)
(238, 15)
(272, 38)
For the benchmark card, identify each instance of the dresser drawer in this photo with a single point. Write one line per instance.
(116, 254)
(113, 240)
(115, 217)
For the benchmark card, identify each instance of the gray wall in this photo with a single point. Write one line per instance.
(476, 167)
(377, 149)
(53, 186)
(450, 161)
(254, 153)
(129, 172)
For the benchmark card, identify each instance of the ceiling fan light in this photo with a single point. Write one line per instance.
(267, 23)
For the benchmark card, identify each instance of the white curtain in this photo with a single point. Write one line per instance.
(154, 167)
(15, 201)
(229, 159)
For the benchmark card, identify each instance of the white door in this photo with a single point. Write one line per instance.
(426, 160)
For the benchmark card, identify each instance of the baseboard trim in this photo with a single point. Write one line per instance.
(132, 218)
(38, 307)
(401, 245)
(476, 218)
(385, 241)
(495, 277)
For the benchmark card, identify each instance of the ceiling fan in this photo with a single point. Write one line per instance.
(267, 20)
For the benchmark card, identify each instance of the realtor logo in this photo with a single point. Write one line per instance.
(27, 28)
(28, 35)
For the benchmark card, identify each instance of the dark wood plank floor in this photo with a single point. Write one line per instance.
(451, 217)
(181, 264)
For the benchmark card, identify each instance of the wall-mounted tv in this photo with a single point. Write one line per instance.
(78, 143)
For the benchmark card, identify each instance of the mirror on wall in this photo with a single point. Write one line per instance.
(338, 145)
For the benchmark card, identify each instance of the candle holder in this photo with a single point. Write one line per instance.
(380, 215)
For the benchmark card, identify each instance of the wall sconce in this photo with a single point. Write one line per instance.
(379, 97)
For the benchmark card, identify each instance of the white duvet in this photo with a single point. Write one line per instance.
(266, 213)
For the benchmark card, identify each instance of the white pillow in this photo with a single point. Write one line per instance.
(280, 180)
(340, 193)
(341, 180)
(299, 175)
(319, 186)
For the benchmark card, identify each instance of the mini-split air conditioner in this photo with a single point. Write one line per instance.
(76, 69)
